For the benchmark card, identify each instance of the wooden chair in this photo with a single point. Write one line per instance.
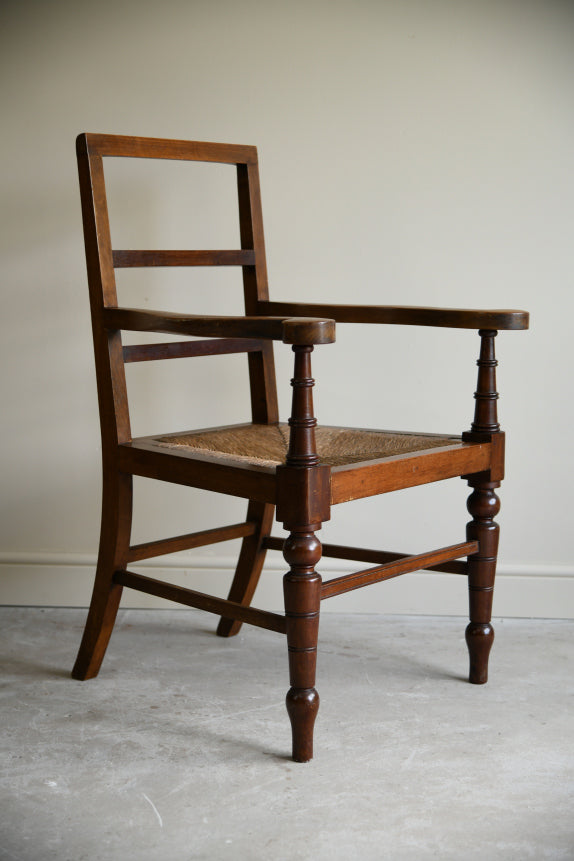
(298, 470)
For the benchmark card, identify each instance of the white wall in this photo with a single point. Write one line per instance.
(411, 152)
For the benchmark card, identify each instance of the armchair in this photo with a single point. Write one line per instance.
(295, 471)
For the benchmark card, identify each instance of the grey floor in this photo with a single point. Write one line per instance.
(179, 750)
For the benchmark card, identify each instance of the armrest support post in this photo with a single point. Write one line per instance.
(303, 485)
(486, 396)
(302, 423)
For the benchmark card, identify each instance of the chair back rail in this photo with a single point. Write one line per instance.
(130, 259)
(187, 349)
(141, 147)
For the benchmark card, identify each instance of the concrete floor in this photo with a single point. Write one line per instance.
(179, 750)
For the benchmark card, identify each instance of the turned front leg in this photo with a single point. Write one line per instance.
(302, 590)
(303, 503)
(483, 504)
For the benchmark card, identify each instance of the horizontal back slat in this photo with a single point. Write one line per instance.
(136, 147)
(187, 349)
(128, 259)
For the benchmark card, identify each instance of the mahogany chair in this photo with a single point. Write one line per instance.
(297, 470)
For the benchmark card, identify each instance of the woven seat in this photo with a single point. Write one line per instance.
(295, 473)
(268, 444)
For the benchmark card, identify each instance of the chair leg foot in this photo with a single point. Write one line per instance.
(99, 627)
(114, 545)
(302, 707)
(479, 639)
(227, 628)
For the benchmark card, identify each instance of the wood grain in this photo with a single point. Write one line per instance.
(405, 565)
(457, 318)
(358, 481)
(262, 384)
(144, 457)
(130, 259)
(189, 541)
(189, 349)
(305, 330)
(249, 564)
(362, 554)
(142, 147)
(190, 598)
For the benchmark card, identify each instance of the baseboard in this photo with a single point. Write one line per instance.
(65, 580)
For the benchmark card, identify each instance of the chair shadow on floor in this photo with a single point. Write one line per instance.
(21, 668)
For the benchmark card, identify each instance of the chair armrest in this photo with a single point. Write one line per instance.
(455, 318)
(301, 330)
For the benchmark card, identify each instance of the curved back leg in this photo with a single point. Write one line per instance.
(114, 546)
(249, 564)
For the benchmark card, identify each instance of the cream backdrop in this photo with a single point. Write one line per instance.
(414, 152)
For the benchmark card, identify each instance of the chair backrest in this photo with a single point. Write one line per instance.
(102, 261)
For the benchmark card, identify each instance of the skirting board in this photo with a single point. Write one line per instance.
(65, 580)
